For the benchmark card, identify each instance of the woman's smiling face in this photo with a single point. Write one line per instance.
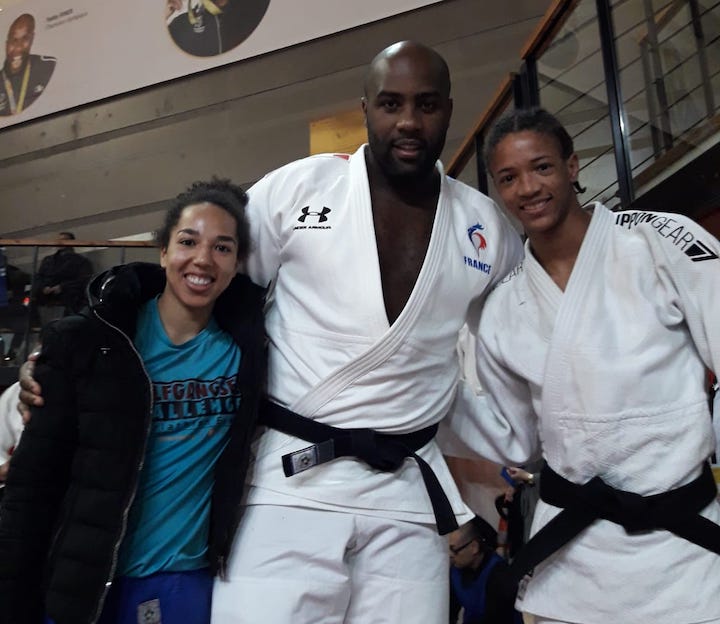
(200, 259)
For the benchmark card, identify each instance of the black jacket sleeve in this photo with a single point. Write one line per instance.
(500, 597)
(455, 606)
(36, 484)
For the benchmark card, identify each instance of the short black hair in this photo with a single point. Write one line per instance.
(534, 119)
(481, 531)
(67, 235)
(219, 191)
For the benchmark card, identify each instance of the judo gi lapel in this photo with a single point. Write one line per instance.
(394, 337)
(573, 316)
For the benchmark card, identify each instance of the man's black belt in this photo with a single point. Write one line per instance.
(677, 511)
(382, 451)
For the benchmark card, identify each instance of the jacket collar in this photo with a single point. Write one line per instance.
(117, 295)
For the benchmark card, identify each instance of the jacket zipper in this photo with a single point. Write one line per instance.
(126, 511)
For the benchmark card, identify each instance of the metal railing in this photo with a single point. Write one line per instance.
(20, 322)
(636, 83)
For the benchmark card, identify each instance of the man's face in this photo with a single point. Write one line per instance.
(463, 549)
(17, 46)
(407, 112)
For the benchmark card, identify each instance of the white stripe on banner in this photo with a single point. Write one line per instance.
(85, 50)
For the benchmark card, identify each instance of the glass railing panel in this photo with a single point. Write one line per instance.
(593, 145)
(636, 56)
(571, 67)
(710, 19)
(710, 29)
(572, 87)
(683, 73)
(24, 309)
(669, 60)
(660, 5)
(16, 321)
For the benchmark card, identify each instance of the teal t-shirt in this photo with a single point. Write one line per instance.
(195, 396)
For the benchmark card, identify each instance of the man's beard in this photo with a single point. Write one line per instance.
(397, 170)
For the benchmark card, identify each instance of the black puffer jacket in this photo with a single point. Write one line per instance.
(74, 473)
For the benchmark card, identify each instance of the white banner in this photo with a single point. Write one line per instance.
(63, 53)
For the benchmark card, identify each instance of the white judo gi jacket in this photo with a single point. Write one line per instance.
(11, 423)
(608, 378)
(334, 357)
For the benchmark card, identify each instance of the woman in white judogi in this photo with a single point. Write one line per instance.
(594, 352)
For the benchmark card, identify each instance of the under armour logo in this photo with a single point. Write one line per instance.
(306, 212)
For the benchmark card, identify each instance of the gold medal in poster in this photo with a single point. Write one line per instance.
(17, 106)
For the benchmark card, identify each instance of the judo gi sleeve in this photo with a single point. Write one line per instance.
(264, 212)
(498, 422)
(687, 260)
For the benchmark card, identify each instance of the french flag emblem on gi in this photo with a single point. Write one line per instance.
(476, 238)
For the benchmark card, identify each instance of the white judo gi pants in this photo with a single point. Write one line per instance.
(291, 565)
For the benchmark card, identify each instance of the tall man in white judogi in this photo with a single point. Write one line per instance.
(377, 260)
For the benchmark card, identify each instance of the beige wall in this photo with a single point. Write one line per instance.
(105, 170)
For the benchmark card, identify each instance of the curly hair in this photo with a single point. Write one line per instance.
(220, 192)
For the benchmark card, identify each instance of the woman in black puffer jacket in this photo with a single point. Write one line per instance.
(125, 488)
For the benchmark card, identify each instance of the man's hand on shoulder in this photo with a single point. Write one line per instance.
(30, 390)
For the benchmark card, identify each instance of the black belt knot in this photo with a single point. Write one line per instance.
(676, 510)
(382, 451)
(365, 444)
(636, 513)
(632, 511)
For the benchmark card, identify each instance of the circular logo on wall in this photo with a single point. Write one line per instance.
(211, 27)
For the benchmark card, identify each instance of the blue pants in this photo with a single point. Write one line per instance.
(163, 598)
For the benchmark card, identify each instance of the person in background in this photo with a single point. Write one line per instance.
(58, 287)
(123, 495)
(479, 581)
